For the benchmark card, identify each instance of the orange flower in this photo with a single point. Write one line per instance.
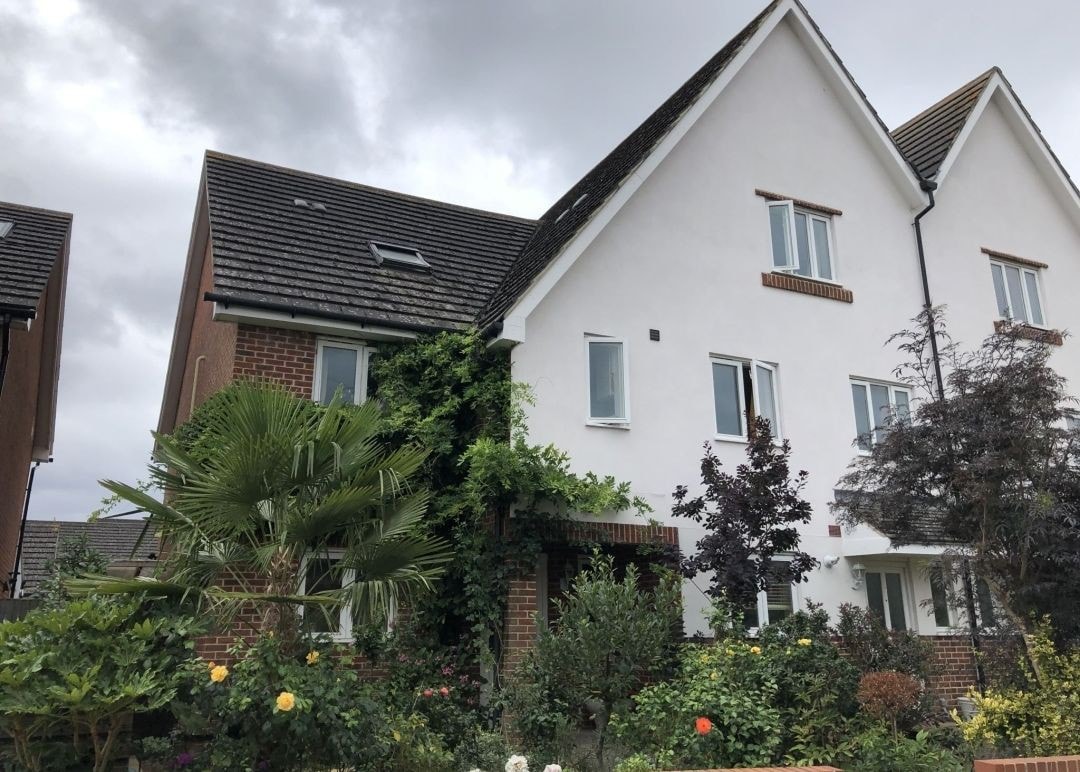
(702, 725)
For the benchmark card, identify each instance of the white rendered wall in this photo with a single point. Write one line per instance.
(685, 256)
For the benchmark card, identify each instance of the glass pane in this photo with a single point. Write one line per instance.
(862, 421)
(766, 398)
(821, 249)
(781, 239)
(986, 603)
(802, 244)
(902, 406)
(726, 398)
(939, 597)
(999, 290)
(895, 593)
(750, 617)
(1033, 297)
(606, 399)
(778, 598)
(879, 401)
(319, 579)
(874, 597)
(1016, 294)
(338, 369)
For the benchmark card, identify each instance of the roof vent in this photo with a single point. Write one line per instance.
(318, 206)
(562, 214)
(5, 228)
(580, 198)
(301, 203)
(398, 257)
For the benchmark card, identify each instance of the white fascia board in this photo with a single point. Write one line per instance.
(558, 267)
(1033, 142)
(883, 546)
(319, 326)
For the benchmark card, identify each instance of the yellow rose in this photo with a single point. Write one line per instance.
(212, 665)
(312, 657)
(731, 652)
(286, 702)
(804, 641)
(713, 675)
(755, 649)
(219, 674)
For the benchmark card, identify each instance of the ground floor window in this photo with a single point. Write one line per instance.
(885, 598)
(774, 603)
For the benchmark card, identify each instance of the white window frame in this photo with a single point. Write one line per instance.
(1024, 271)
(950, 590)
(907, 593)
(792, 265)
(345, 622)
(611, 423)
(1072, 420)
(893, 389)
(363, 358)
(753, 364)
(763, 601)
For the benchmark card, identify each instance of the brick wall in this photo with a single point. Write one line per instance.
(952, 667)
(1045, 764)
(270, 353)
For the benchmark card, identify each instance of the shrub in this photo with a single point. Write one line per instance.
(888, 695)
(79, 670)
(876, 750)
(272, 711)
(1041, 720)
(873, 648)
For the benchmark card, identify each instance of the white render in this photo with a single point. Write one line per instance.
(683, 250)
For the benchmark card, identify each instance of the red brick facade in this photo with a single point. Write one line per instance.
(285, 356)
(952, 667)
(821, 289)
(1056, 764)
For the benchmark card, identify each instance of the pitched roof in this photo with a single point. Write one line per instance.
(921, 524)
(28, 252)
(573, 211)
(926, 139)
(269, 251)
(116, 539)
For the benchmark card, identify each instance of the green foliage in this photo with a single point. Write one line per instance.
(265, 479)
(1041, 720)
(74, 557)
(453, 395)
(80, 669)
(872, 648)
(877, 750)
(611, 635)
(335, 720)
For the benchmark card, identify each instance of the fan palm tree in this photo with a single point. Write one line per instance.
(262, 484)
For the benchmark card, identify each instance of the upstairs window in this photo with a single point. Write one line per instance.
(5, 227)
(877, 405)
(802, 241)
(607, 381)
(742, 390)
(1016, 289)
(400, 257)
(344, 366)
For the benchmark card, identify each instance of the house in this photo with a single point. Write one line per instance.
(749, 248)
(127, 545)
(33, 275)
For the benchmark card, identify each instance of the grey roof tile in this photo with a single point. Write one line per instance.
(28, 253)
(116, 539)
(267, 249)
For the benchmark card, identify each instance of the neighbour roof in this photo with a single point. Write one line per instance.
(573, 211)
(921, 525)
(926, 139)
(315, 254)
(116, 539)
(28, 253)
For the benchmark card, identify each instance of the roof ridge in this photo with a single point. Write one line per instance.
(38, 209)
(371, 188)
(985, 75)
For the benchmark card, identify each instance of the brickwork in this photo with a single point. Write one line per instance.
(270, 353)
(821, 289)
(1043, 764)
(952, 667)
(1052, 337)
(770, 769)
(519, 635)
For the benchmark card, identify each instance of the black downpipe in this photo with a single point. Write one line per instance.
(13, 577)
(969, 592)
(929, 186)
(5, 349)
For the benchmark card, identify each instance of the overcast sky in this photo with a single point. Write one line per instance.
(106, 107)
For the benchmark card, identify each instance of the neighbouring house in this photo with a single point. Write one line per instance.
(747, 249)
(130, 548)
(33, 276)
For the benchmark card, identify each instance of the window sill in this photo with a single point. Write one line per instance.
(1031, 332)
(730, 438)
(801, 284)
(599, 424)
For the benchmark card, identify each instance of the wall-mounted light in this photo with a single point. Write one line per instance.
(829, 561)
(858, 573)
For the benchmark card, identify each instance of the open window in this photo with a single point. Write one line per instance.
(1016, 289)
(742, 390)
(802, 241)
(877, 406)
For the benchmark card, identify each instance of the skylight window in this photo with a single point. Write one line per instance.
(398, 257)
(5, 228)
